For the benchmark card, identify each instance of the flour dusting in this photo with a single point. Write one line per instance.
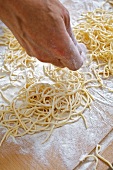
(70, 143)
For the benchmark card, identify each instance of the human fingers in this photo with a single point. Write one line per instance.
(67, 51)
(82, 50)
(81, 47)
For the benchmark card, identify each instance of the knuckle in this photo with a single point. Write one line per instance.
(66, 17)
(66, 12)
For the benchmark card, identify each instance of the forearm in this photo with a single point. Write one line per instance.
(2, 9)
(9, 8)
(5, 10)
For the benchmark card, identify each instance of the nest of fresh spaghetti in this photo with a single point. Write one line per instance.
(42, 106)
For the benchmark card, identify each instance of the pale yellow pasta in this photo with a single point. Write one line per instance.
(96, 31)
(110, 1)
(15, 57)
(44, 107)
(97, 156)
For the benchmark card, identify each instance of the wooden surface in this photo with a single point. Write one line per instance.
(80, 140)
(67, 144)
(107, 153)
(12, 159)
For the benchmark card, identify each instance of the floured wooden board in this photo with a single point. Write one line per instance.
(66, 146)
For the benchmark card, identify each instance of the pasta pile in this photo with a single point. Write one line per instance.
(96, 31)
(41, 106)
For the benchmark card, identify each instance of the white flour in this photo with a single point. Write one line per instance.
(72, 141)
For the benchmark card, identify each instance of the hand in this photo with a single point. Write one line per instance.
(43, 28)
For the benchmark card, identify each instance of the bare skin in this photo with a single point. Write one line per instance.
(43, 28)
